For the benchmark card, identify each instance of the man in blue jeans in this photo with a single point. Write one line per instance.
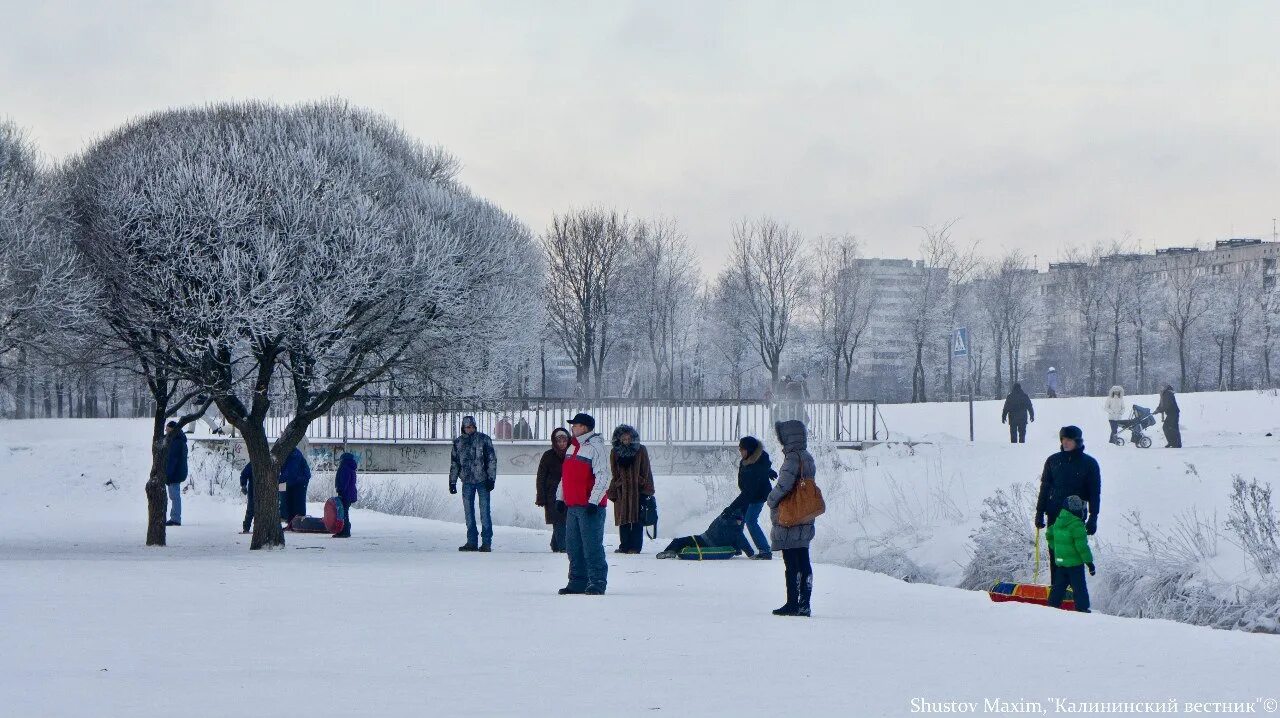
(474, 462)
(175, 471)
(584, 480)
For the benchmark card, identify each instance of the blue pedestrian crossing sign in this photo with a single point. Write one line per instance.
(960, 342)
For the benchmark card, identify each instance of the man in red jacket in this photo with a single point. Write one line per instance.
(581, 494)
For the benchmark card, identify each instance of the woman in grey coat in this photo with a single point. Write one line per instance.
(793, 541)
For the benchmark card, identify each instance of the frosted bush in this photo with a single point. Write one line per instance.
(1004, 544)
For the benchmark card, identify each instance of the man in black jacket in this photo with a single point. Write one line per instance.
(1169, 408)
(1070, 472)
(1017, 411)
(175, 470)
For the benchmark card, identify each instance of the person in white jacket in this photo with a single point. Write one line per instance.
(1115, 409)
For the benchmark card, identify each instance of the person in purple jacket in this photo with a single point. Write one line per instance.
(345, 483)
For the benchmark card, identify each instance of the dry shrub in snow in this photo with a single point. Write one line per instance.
(1003, 545)
(1253, 523)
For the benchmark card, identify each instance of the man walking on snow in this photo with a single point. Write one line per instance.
(475, 462)
(1017, 409)
(1070, 472)
(584, 480)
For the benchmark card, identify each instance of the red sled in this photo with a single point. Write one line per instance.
(1035, 593)
(335, 515)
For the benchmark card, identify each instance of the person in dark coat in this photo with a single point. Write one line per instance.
(793, 541)
(175, 470)
(475, 463)
(1017, 412)
(725, 530)
(344, 484)
(246, 488)
(632, 477)
(547, 481)
(295, 475)
(755, 474)
(1069, 472)
(1169, 408)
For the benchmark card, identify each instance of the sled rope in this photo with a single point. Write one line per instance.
(1035, 575)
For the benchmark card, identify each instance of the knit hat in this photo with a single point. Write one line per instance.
(1075, 505)
(1071, 432)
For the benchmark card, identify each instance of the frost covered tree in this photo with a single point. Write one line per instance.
(1185, 300)
(44, 295)
(767, 279)
(929, 306)
(844, 301)
(585, 253)
(1085, 294)
(662, 277)
(250, 245)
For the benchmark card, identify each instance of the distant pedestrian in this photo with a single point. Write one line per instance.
(1069, 472)
(503, 429)
(632, 479)
(522, 432)
(1017, 412)
(1169, 408)
(725, 530)
(755, 474)
(1051, 383)
(548, 483)
(584, 481)
(175, 470)
(1069, 545)
(246, 489)
(295, 475)
(344, 484)
(1115, 408)
(474, 462)
(793, 541)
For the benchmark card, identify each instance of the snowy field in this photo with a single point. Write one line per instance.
(396, 622)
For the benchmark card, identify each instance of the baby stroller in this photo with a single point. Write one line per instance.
(1142, 419)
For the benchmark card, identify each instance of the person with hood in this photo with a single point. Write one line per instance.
(1169, 408)
(725, 530)
(1017, 411)
(175, 470)
(1069, 472)
(1115, 410)
(755, 476)
(1069, 545)
(793, 541)
(632, 479)
(584, 482)
(295, 475)
(246, 488)
(548, 481)
(474, 462)
(1051, 383)
(344, 484)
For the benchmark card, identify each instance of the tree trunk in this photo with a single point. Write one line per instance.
(157, 492)
(267, 532)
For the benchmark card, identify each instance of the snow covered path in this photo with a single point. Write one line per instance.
(395, 622)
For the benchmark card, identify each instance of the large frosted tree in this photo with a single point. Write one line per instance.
(248, 246)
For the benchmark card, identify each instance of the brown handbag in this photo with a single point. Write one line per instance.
(802, 505)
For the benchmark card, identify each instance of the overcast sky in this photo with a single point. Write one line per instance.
(1039, 124)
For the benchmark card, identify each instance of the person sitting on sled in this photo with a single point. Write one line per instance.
(1069, 541)
(726, 530)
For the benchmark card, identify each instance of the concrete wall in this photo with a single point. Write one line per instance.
(514, 457)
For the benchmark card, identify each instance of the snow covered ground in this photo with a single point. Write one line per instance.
(396, 622)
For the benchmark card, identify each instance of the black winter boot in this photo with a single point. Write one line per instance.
(806, 593)
(789, 609)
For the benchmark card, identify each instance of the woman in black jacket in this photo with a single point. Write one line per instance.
(755, 472)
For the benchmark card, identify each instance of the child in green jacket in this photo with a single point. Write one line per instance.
(1069, 541)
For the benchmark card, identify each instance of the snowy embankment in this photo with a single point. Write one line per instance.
(395, 622)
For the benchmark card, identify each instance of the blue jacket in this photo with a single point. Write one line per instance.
(246, 480)
(345, 481)
(295, 471)
(1069, 473)
(726, 529)
(175, 458)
